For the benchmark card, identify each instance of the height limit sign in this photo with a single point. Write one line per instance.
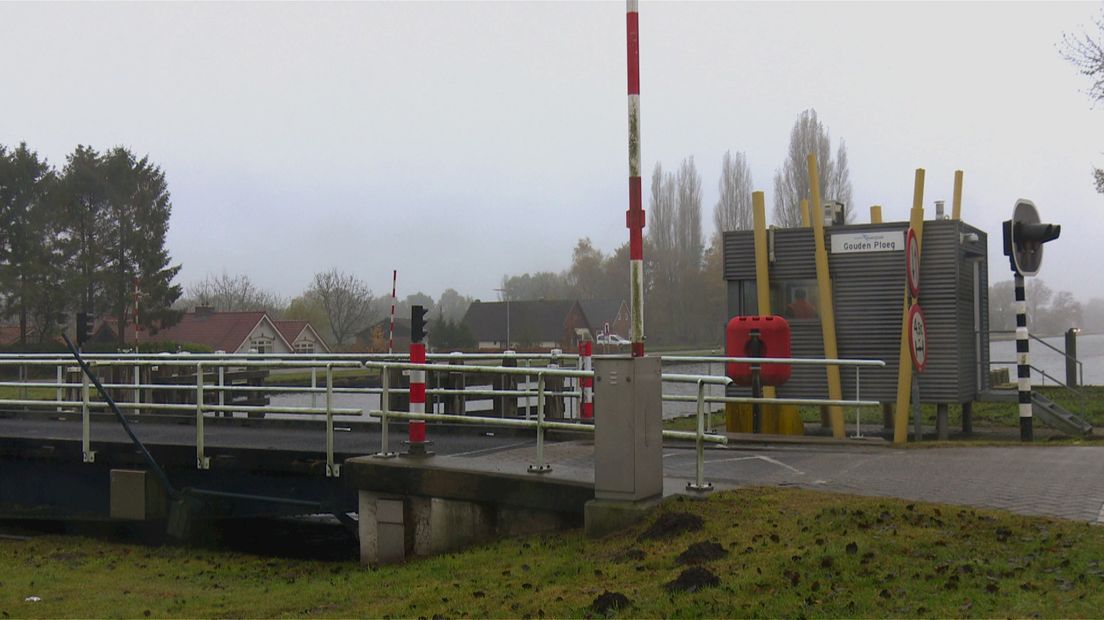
(918, 337)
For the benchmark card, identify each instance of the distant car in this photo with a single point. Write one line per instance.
(613, 339)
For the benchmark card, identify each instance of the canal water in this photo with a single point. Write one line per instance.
(1090, 349)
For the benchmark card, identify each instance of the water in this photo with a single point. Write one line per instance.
(368, 402)
(1090, 352)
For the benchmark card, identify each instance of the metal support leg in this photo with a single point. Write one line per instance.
(332, 469)
(314, 386)
(541, 467)
(137, 388)
(385, 408)
(202, 462)
(858, 410)
(700, 485)
(86, 431)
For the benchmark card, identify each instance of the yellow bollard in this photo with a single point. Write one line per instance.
(876, 214)
(827, 311)
(956, 209)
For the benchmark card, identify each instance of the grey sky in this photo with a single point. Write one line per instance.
(457, 142)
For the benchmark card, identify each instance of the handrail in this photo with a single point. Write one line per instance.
(795, 361)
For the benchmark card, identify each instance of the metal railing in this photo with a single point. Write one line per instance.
(211, 371)
(1082, 398)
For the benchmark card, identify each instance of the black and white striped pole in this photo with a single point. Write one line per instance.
(1024, 237)
(1023, 363)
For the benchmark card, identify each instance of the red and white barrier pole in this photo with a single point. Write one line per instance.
(417, 428)
(634, 218)
(391, 335)
(586, 408)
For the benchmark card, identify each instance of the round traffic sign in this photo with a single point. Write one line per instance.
(912, 262)
(918, 337)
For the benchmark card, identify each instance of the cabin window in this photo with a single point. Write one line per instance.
(304, 347)
(260, 345)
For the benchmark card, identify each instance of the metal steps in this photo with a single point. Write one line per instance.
(1049, 412)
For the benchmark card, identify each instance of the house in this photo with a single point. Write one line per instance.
(375, 337)
(302, 337)
(602, 312)
(534, 325)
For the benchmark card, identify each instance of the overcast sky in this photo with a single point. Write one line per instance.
(458, 142)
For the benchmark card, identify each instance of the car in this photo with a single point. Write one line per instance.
(613, 339)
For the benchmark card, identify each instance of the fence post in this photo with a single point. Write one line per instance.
(86, 432)
(385, 408)
(222, 391)
(700, 485)
(332, 470)
(202, 462)
(137, 388)
(314, 386)
(60, 379)
(541, 467)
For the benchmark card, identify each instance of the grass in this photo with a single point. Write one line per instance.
(787, 553)
(32, 393)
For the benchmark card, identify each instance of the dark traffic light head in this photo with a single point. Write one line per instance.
(84, 328)
(418, 324)
(1024, 237)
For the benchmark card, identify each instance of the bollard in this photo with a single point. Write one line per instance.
(1071, 357)
(416, 429)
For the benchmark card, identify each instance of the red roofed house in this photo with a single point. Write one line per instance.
(302, 337)
(241, 332)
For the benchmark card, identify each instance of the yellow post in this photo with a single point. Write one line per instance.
(956, 210)
(804, 213)
(904, 366)
(876, 214)
(827, 310)
(762, 275)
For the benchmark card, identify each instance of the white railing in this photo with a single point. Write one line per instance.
(217, 366)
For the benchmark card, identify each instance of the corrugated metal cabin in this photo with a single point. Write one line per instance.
(867, 267)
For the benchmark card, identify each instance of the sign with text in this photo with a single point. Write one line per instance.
(873, 241)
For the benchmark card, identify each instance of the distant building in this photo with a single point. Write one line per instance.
(600, 312)
(232, 332)
(534, 325)
(302, 337)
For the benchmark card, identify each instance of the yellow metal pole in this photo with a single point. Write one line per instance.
(904, 365)
(876, 214)
(762, 275)
(827, 310)
(804, 213)
(956, 210)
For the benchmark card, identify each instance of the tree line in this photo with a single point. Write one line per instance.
(78, 239)
(1049, 312)
(684, 299)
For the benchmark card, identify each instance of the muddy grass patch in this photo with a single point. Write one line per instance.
(672, 524)
(693, 579)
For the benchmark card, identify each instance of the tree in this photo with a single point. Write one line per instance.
(452, 306)
(138, 207)
(232, 293)
(586, 275)
(307, 307)
(84, 208)
(1086, 52)
(791, 181)
(346, 300)
(733, 209)
(27, 240)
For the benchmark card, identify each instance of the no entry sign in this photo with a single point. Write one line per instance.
(912, 262)
(918, 337)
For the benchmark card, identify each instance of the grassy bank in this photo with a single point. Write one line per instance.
(758, 552)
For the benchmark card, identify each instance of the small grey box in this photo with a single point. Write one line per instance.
(136, 495)
(390, 531)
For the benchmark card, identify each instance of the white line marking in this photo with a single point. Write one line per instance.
(760, 458)
(492, 449)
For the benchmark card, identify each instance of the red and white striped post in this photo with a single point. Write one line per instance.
(391, 335)
(417, 428)
(634, 218)
(136, 294)
(586, 407)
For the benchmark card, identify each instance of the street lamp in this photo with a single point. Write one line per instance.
(507, 298)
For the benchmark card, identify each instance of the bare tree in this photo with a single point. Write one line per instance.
(347, 301)
(791, 181)
(1086, 52)
(689, 227)
(231, 293)
(733, 210)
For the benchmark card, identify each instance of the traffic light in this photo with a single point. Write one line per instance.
(1024, 237)
(84, 328)
(418, 324)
